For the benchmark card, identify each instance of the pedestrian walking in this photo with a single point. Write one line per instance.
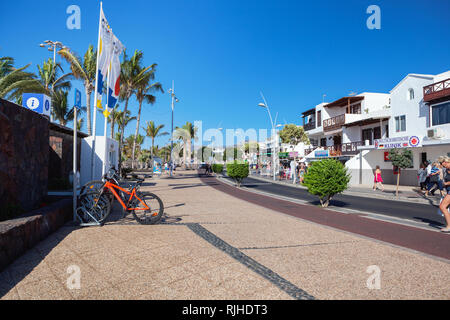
(378, 181)
(302, 172)
(422, 176)
(435, 180)
(445, 203)
(294, 171)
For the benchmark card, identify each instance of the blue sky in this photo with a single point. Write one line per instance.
(222, 53)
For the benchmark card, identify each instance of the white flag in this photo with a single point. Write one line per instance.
(106, 41)
(114, 75)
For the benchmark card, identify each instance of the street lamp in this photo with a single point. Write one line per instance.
(274, 154)
(52, 45)
(174, 99)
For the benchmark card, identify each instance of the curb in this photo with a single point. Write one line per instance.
(429, 201)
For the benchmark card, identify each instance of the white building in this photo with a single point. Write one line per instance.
(355, 128)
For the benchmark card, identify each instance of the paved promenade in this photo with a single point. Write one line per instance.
(216, 246)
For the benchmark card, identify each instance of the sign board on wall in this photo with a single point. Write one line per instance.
(37, 102)
(322, 154)
(400, 142)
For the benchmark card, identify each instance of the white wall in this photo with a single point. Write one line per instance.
(417, 113)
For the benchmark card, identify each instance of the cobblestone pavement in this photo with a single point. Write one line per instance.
(215, 246)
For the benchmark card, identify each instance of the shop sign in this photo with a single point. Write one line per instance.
(322, 154)
(400, 142)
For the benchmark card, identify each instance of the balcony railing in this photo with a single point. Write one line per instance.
(334, 123)
(344, 149)
(436, 90)
(309, 126)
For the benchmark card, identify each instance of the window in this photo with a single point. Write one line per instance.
(400, 124)
(367, 135)
(387, 131)
(441, 114)
(377, 133)
(355, 109)
(410, 94)
(323, 142)
(319, 118)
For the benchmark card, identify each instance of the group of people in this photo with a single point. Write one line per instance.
(294, 170)
(434, 176)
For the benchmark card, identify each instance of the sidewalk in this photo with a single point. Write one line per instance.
(406, 193)
(213, 245)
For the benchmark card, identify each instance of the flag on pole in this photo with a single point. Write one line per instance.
(105, 52)
(114, 75)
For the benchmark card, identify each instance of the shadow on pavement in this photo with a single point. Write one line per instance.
(25, 264)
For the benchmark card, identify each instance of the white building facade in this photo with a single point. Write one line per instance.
(417, 107)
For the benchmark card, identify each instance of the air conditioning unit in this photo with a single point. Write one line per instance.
(436, 133)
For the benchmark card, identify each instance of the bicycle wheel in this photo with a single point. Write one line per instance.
(155, 212)
(95, 185)
(96, 207)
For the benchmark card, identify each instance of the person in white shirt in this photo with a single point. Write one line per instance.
(294, 171)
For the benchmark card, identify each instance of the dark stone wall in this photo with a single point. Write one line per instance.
(19, 235)
(24, 156)
(61, 154)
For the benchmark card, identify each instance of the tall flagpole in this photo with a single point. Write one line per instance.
(96, 93)
(106, 119)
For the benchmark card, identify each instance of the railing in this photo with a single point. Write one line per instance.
(436, 90)
(350, 148)
(334, 123)
(309, 150)
(309, 126)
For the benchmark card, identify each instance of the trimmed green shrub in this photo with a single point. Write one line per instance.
(325, 179)
(238, 172)
(402, 160)
(217, 168)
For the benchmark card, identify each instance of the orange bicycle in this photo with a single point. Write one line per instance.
(95, 204)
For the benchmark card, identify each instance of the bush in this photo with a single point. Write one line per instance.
(217, 168)
(325, 179)
(238, 172)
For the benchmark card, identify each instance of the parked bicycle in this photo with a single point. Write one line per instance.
(96, 198)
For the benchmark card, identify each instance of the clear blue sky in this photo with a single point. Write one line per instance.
(221, 53)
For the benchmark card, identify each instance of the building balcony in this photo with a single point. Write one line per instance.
(309, 126)
(334, 123)
(436, 91)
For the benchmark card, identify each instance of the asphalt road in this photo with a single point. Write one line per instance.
(429, 241)
(406, 210)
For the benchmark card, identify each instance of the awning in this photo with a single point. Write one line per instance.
(343, 102)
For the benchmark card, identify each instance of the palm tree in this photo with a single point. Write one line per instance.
(50, 80)
(60, 107)
(84, 70)
(14, 82)
(153, 132)
(123, 119)
(113, 119)
(131, 75)
(186, 133)
(143, 94)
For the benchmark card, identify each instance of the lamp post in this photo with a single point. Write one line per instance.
(52, 45)
(174, 99)
(275, 153)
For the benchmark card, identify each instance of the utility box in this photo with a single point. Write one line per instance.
(106, 155)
